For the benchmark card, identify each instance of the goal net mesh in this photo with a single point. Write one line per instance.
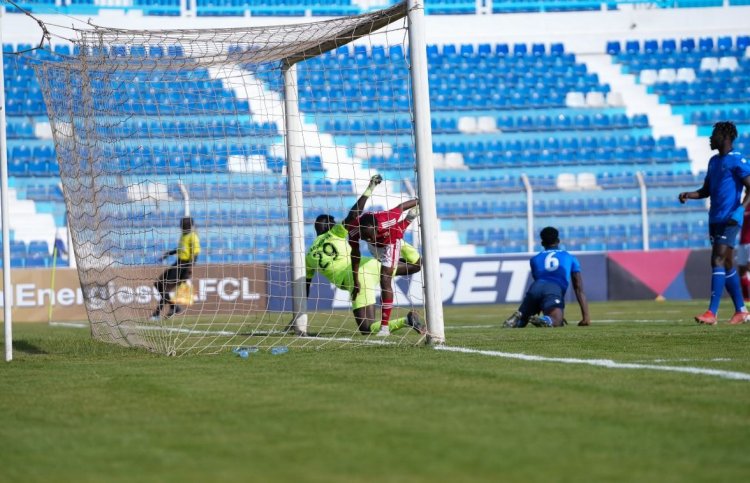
(152, 125)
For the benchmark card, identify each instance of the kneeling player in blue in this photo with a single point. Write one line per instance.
(552, 269)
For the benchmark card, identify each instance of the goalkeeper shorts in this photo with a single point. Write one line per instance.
(369, 283)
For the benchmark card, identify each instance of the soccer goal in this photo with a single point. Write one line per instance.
(252, 133)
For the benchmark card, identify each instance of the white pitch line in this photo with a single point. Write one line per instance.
(740, 376)
(713, 359)
(69, 324)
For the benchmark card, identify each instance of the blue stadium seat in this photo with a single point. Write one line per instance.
(467, 50)
(484, 50)
(724, 44)
(557, 49)
(706, 44)
(687, 45)
(613, 47)
(651, 46)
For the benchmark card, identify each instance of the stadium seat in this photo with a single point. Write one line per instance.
(575, 99)
(668, 46)
(595, 99)
(709, 64)
(728, 63)
(651, 46)
(667, 75)
(648, 77)
(613, 47)
(687, 45)
(557, 49)
(685, 74)
(724, 44)
(706, 44)
(520, 50)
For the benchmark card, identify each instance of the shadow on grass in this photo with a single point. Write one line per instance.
(26, 347)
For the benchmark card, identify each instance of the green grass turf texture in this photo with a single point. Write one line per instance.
(72, 409)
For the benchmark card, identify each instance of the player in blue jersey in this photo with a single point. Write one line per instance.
(727, 175)
(552, 269)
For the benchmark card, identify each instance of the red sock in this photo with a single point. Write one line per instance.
(386, 307)
(745, 282)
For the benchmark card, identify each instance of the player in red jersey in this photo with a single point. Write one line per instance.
(384, 233)
(743, 258)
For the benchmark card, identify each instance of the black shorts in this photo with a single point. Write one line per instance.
(176, 274)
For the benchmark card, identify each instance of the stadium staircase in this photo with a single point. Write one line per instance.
(267, 106)
(637, 99)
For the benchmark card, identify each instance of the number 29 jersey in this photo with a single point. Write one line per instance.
(554, 266)
(330, 254)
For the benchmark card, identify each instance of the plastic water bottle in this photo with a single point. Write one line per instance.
(245, 352)
(282, 349)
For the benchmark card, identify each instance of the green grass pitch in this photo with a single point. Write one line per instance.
(76, 410)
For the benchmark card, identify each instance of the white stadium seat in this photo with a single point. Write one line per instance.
(467, 124)
(648, 77)
(566, 181)
(614, 99)
(728, 63)
(686, 74)
(667, 75)
(454, 161)
(709, 63)
(438, 160)
(595, 99)
(575, 99)
(586, 181)
(486, 124)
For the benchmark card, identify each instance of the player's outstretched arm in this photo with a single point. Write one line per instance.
(407, 205)
(169, 253)
(359, 205)
(581, 296)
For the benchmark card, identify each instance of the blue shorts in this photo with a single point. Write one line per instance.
(723, 234)
(542, 296)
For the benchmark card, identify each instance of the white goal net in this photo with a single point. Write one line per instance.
(154, 127)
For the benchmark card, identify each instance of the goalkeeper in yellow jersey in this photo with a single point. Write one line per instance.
(330, 254)
(187, 252)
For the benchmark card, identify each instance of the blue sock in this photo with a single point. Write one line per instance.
(718, 276)
(732, 283)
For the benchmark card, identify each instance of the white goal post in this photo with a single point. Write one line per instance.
(225, 121)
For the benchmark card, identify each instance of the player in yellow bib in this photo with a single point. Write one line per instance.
(187, 252)
(330, 254)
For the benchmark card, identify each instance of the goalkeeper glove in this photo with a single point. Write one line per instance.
(412, 214)
(374, 181)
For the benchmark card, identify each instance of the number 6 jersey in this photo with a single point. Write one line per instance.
(554, 265)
